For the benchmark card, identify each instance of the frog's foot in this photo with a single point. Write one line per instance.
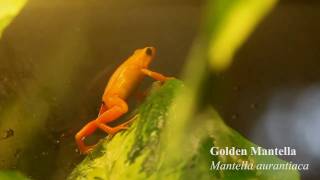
(112, 130)
(166, 79)
(169, 78)
(82, 134)
(87, 149)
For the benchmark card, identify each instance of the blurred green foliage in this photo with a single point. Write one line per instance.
(229, 23)
(8, 10)
(12, 175)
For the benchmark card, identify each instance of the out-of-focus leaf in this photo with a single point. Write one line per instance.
(223, 136)
(12, 175)
(8, 10)
(30, 114)
(229, 24)
(226, 24)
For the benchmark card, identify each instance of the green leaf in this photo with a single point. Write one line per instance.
(8, 10)
(223, 136)
(12, 175)
(228, 25)
(147, 151)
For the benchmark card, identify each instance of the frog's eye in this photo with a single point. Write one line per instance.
(149, 51)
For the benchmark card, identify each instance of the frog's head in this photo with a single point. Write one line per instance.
(144, 56)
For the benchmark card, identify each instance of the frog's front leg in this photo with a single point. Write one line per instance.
(155, 75)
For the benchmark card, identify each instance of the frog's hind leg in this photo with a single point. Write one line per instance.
(113, 130)
(118, 107)
(103, 109)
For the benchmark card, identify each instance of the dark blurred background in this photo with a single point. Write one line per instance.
(56, 56)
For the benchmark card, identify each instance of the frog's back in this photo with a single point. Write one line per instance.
(129, 74)
(123, 80)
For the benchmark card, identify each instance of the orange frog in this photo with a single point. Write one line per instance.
(120, 85)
